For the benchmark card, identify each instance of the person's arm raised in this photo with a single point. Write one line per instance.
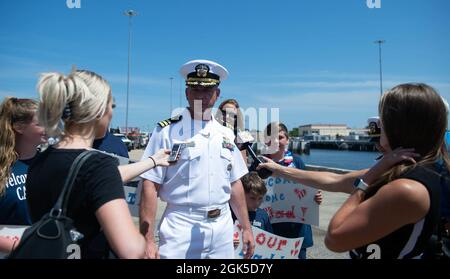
(130, 171)
(326, 181)
(333, 182)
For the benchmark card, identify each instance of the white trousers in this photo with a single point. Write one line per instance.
(188, 233)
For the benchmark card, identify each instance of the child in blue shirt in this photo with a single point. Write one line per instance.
(277, 143)
(255, 190)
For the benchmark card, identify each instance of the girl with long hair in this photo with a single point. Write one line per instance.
(19, 138)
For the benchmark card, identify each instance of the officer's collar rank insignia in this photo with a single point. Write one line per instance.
(169, 121)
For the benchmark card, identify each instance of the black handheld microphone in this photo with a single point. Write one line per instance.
(263, 173)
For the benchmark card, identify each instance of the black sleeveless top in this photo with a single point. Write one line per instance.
(410, 240)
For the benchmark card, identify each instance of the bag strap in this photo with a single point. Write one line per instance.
(60, 206)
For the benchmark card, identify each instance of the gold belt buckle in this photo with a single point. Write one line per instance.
(214, 213)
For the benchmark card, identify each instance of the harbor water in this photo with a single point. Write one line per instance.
(342, 159)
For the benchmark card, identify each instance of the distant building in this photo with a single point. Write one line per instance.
(131, 130)
(331, 131)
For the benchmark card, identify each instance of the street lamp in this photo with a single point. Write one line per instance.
(379, 42)
(129, 14)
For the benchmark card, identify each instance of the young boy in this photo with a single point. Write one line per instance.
(255, 189)
(280, 143)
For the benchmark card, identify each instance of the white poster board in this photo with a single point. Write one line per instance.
(268, 245)
(288, 201)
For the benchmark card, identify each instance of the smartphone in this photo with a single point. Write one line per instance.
(176, 149)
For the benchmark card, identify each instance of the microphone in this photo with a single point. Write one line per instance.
(244, 141)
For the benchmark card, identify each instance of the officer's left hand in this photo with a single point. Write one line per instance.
(248, 242)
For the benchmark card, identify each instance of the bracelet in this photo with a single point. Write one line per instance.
(153, 160)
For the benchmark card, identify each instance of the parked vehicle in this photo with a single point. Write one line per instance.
(125, 140)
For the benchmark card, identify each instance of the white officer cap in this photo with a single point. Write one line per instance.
(203, 73)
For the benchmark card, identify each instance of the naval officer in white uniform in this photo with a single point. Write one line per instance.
(197, 222)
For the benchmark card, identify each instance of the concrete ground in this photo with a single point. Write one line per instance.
(331, 202)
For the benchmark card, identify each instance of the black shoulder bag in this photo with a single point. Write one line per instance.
(54, 236)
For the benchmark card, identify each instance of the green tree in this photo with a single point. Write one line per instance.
(294, 132)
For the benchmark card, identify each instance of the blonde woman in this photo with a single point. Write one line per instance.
(20, 135)
(78, 108)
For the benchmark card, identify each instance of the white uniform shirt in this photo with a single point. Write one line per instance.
(203, 175)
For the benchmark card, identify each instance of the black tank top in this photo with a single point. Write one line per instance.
(410, 240)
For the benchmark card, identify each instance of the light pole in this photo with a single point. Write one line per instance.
(129, 14)
(380, 42)
(171, 102)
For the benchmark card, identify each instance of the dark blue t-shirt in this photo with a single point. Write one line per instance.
(258, 218)
(111, 144)
(13, 202)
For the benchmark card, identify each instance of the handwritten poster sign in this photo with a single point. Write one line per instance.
(288, 201)
(269, 246)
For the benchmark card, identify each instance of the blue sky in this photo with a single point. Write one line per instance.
(315, 60)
